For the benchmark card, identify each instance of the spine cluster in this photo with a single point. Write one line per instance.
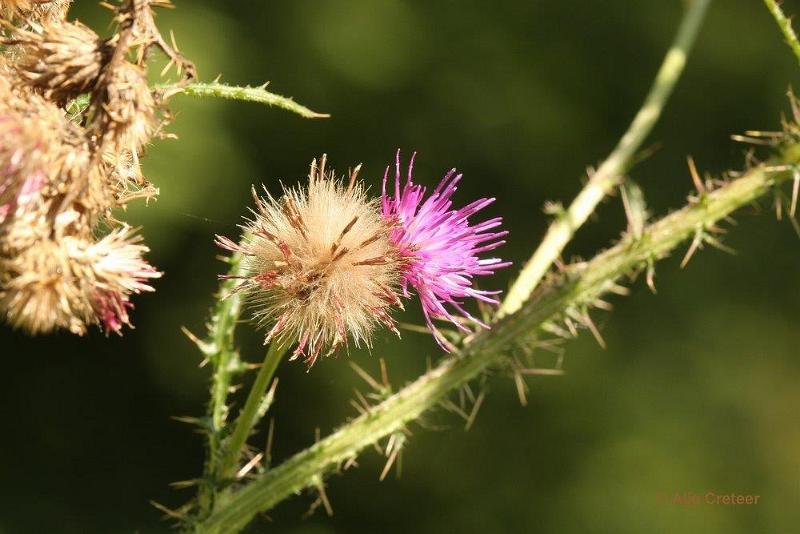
(76, 114)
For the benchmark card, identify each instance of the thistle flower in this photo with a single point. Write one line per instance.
(320, 269)
(38, 293)
(441, 247)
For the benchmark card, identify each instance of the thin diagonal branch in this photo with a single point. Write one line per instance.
(611, 171)
(785, 24)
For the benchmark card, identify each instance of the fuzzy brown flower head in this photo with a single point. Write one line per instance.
(74, 282)
(38, 293)
(61, 59)
(128, 115)
(320, 269)
(19, 178)
(29, 152)
(119, 271)
(35, 10)
(43, 156)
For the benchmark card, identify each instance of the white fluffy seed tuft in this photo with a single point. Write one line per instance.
(320, 266)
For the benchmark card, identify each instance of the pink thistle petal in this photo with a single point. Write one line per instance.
(440, 247)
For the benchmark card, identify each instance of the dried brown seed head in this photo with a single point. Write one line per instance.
(35, 10)
(43, 158)
(61, 60)
(39, 292)
(127, 114)
(74, 282)
(320, 268)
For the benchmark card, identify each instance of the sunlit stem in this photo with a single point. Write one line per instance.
(251, 412)
(785, 25)
(220, 351)
(611, 171)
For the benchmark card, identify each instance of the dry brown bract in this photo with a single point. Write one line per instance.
(34, 10)
(60, 59)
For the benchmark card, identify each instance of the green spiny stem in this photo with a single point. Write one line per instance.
(250, 94)
(610, 172)
(251, 412)
(785, 25)
(220, 351)
(578, 286)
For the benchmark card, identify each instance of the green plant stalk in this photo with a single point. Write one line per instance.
(611, 171)
(249, 94)
(220, 351)
(577, 287)
(250, 414)
(785, 25)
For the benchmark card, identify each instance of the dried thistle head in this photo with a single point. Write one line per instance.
(38, 293)
(128, 113)
(44, 159)
(72, 282)
(40, 151)
(116, 269)
(320, 266)
(61, 177)
(35, 10)
(61, 59)
(125, 177)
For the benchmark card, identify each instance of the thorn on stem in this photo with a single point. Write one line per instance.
(696, 243)
(268, 448)
(394, 449)
(522, 387)
(651, 276)
(698, 182)
(474, 412)
(374, 384)
(249, 465)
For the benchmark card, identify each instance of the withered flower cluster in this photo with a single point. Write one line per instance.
(76, 113)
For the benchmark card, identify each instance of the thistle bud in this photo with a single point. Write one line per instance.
(320, 269)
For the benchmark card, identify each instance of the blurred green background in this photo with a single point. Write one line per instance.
(698, 389)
